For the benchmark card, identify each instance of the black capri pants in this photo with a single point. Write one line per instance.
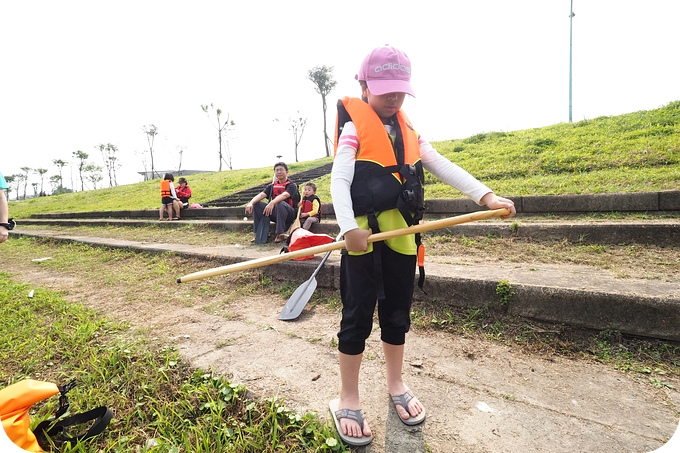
(359, 297)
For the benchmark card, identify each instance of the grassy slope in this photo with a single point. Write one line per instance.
(638, 151)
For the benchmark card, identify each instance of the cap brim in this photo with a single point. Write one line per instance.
(380, 87)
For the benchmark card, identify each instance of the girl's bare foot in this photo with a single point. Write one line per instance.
(405, 397)
(349, 423)
(349, 426)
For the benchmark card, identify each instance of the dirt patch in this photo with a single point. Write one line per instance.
(481, 396)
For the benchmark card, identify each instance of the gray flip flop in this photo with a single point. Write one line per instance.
(403, 400)
(357, 415)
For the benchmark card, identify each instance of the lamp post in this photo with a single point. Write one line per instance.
(571, 16)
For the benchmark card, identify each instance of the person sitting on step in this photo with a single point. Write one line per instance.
(310, 212)
(282, 195)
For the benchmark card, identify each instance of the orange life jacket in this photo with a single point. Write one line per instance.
(16, 401)
(165, 189)
(375, 144)
(387, 175)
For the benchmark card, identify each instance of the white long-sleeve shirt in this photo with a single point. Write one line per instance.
(342, 175)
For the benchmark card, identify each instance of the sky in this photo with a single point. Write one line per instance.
(76, 74)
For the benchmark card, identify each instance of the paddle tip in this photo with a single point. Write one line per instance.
(287, 314)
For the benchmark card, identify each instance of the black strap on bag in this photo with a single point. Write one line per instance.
(55, 430)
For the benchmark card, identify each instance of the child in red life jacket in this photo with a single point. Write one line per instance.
(183, 192)
(168, 197)
(376, 185)
(282, 195)
(310, 212)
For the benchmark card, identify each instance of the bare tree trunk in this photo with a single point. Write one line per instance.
(179, 168)
(228, 159)
(325, 134)
(219, 139)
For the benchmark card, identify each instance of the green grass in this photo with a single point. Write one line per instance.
(156, 398)
(634, 152)
(146, 195)
(637, 151)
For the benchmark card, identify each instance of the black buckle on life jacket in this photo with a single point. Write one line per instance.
(63, 399)
(372, 221)
(410, 202)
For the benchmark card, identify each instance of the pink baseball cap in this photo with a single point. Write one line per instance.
(386, 70)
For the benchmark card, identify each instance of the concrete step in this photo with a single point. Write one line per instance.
(660, 232)
(573, 295)
(666, 203)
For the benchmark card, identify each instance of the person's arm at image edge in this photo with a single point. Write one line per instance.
(4, 216)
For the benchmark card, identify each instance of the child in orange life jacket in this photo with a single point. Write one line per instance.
(280, 194)
(310, 212)
(168, 196)
(366, 196)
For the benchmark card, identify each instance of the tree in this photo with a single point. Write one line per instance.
(18, 181)
(322, 78)
(109, 157)
(221, 127)
(25, 178)
(41, 172)
(142, 156)
(93, 174)
(10, 179)
(60, 165)
(151, 131)
(55, 182)
(297, 125)
(70, 167)
(81, 156)
(180, 151)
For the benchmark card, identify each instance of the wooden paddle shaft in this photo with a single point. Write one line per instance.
(296, 223)
(267, 260)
